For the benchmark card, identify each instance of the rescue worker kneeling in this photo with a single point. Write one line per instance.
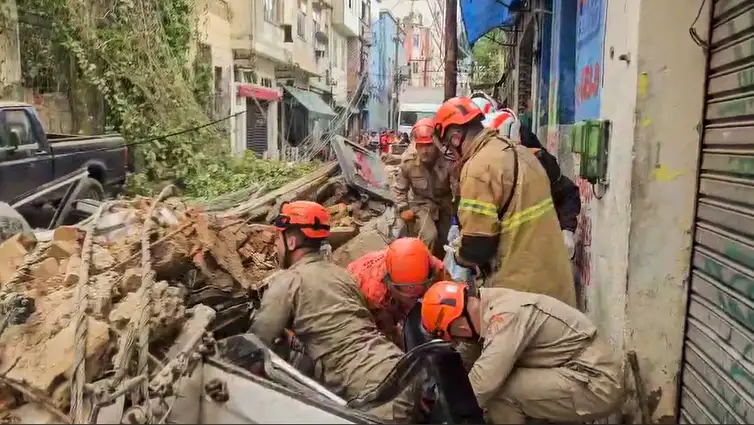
(541, 358)
(321, 304)
(393, 279)
(422, 189)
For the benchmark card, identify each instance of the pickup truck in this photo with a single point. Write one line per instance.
(31, 159)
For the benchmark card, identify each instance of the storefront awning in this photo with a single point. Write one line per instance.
(259, 92)
(482, 16)
(310, 101)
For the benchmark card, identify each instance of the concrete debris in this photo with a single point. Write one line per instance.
(205, 267)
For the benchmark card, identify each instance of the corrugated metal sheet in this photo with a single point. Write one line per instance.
(718, 373)
(256, 126)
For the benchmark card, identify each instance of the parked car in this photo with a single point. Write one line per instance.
(37, 168)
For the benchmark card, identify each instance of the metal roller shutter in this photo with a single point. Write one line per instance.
(256, 126)
(718, 370)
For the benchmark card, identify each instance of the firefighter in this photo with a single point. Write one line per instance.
(541, 359)
(565, 194)
(322, 305)
(509, 228)
(422, 188)
(393, 279)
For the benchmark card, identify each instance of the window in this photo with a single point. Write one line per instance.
(270, 11)
(315, 23)
(301, 19)
(18, 123)
(415, 67)
(409, 118)
(301, 25)
(416, 41)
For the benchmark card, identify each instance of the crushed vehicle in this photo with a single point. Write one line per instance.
(39, 169)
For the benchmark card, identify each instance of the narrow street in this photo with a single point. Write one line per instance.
(146, 159)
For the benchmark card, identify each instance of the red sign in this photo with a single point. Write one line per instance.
(588, 85)
(259, 92)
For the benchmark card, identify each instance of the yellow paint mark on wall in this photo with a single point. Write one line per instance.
(643, 86)
(646, 122)
(663, 173)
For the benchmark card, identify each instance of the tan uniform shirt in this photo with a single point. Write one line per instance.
(419, 187)
(323, 306)
(531, 254)
(534, 331)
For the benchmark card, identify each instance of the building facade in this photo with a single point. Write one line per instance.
(652, 122)
(387, 50)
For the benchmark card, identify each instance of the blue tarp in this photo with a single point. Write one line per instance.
(482, 16)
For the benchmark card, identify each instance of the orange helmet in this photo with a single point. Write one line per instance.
(422, 131)
(408, 262)
(456, 111)
(310, 217)
(443, 303)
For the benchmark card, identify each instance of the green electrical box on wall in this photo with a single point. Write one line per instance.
(590, 140)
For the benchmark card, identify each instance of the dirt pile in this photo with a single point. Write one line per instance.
(142, 272)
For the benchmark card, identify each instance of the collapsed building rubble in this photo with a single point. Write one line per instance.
(110, 306)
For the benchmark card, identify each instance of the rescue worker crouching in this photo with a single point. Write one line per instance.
(422, 188)
(541, 358)
(393, 279)
(509, 228)
(322, 305)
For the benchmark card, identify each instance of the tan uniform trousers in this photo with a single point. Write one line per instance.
(434, 233)
(570, 393)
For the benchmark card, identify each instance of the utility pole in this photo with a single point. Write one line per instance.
(451, 48)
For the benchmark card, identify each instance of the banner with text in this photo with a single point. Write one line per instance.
(590, 40)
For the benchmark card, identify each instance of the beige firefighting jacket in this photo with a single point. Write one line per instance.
(531, 254)
(527, 330)
(323, 306)
(420, 188)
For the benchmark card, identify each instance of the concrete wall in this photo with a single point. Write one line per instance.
(346, 16)
(634, 237)
(10, 62)
(669, 103)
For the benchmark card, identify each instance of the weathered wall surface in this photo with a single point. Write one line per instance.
(669, 102)
(634, 237)
(10, 60)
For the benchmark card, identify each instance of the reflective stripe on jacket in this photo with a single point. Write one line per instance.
(531, 254)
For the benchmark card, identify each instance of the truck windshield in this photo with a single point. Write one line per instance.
(409, 118)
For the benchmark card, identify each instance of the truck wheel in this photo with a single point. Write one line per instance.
(86, 188)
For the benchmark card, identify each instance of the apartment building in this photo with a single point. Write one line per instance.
(281, 51)
(215, 47)
(384, 71)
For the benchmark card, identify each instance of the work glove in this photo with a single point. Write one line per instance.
(457, 272)
(407, 215)
(570, 243)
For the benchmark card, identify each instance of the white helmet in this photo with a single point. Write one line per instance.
(484, 104)
(506, 122)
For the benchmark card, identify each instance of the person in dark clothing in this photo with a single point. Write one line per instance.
(565, 194)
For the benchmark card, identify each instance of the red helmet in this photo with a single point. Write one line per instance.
(456, 111)
(443, 303)
(422, 131)
(310, 217)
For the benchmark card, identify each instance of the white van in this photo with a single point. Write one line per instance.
(410, 113)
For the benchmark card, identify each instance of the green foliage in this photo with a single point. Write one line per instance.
(487, 57)
(235, 173)
(137, 55)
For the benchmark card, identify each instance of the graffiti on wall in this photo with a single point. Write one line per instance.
(559, 144)
(590, 37)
